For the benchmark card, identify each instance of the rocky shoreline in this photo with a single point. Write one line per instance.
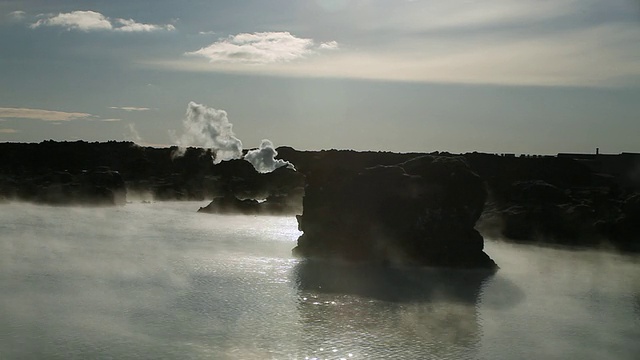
(569, 199)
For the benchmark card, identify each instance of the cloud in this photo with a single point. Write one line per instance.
(502, 42)
(260, 48)
(132, 26)
(594, 56)
(76, 20)
(263, 158)
(93, 21)
(44, 115)
(129, 108)
(17, 15)
(9, 131)
(331, 45)
(110, 120)
(209, 128)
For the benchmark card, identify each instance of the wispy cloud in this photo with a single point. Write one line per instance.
(129, 108)
(132, 26)
(260, 48)
(9, 131)
(17, 15)
(93, 21)
(527, 42)
(331, 45)
(110, 120)
(44, 115)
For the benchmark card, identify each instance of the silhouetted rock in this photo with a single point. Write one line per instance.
(230, 204)
(241, 186)
(97, 187)
(421, 212)
(569, 199)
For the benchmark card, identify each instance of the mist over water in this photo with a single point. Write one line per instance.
(161, 281)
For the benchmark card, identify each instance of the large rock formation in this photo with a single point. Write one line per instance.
(569, 199)
(420, 212)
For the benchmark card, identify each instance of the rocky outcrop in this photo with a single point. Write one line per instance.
(536, 211)
(27, 170)
(569, 199)
(241, 186)
(230, 204)
(155, 173)
(99, 186)
(420, 212)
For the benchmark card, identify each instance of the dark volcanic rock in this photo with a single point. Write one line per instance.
(97, 187)
(420, 212)
(230, 204)
(240, 186)
(68, 172)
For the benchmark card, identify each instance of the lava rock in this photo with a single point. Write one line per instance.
(420, 212)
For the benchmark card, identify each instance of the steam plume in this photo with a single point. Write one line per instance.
(263, 158)
(210, 128)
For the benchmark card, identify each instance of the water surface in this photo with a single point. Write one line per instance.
(161, 281)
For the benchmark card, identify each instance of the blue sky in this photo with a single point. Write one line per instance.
(528, 76)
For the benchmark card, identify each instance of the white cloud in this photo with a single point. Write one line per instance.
(92, 21)
(260, 48)
(331, 45)
(76, 20)
(44, 115)
(17, 15)
(132, 26)
(110, 120)
(129, 108)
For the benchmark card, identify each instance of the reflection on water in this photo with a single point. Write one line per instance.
(160, 281)
(390, 283)
(386, 312)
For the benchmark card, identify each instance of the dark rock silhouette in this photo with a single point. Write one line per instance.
(420, 212)
(100, 186)
(559, 200)
(569, 199)
(240, 185)
(82, 172)
(230, 204)
(26, 167)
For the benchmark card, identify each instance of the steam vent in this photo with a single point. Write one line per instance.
(421, 212)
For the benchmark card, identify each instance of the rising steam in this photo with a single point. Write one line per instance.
(263, 158)
(210, 128)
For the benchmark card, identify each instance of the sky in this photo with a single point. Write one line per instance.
(527, 76)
